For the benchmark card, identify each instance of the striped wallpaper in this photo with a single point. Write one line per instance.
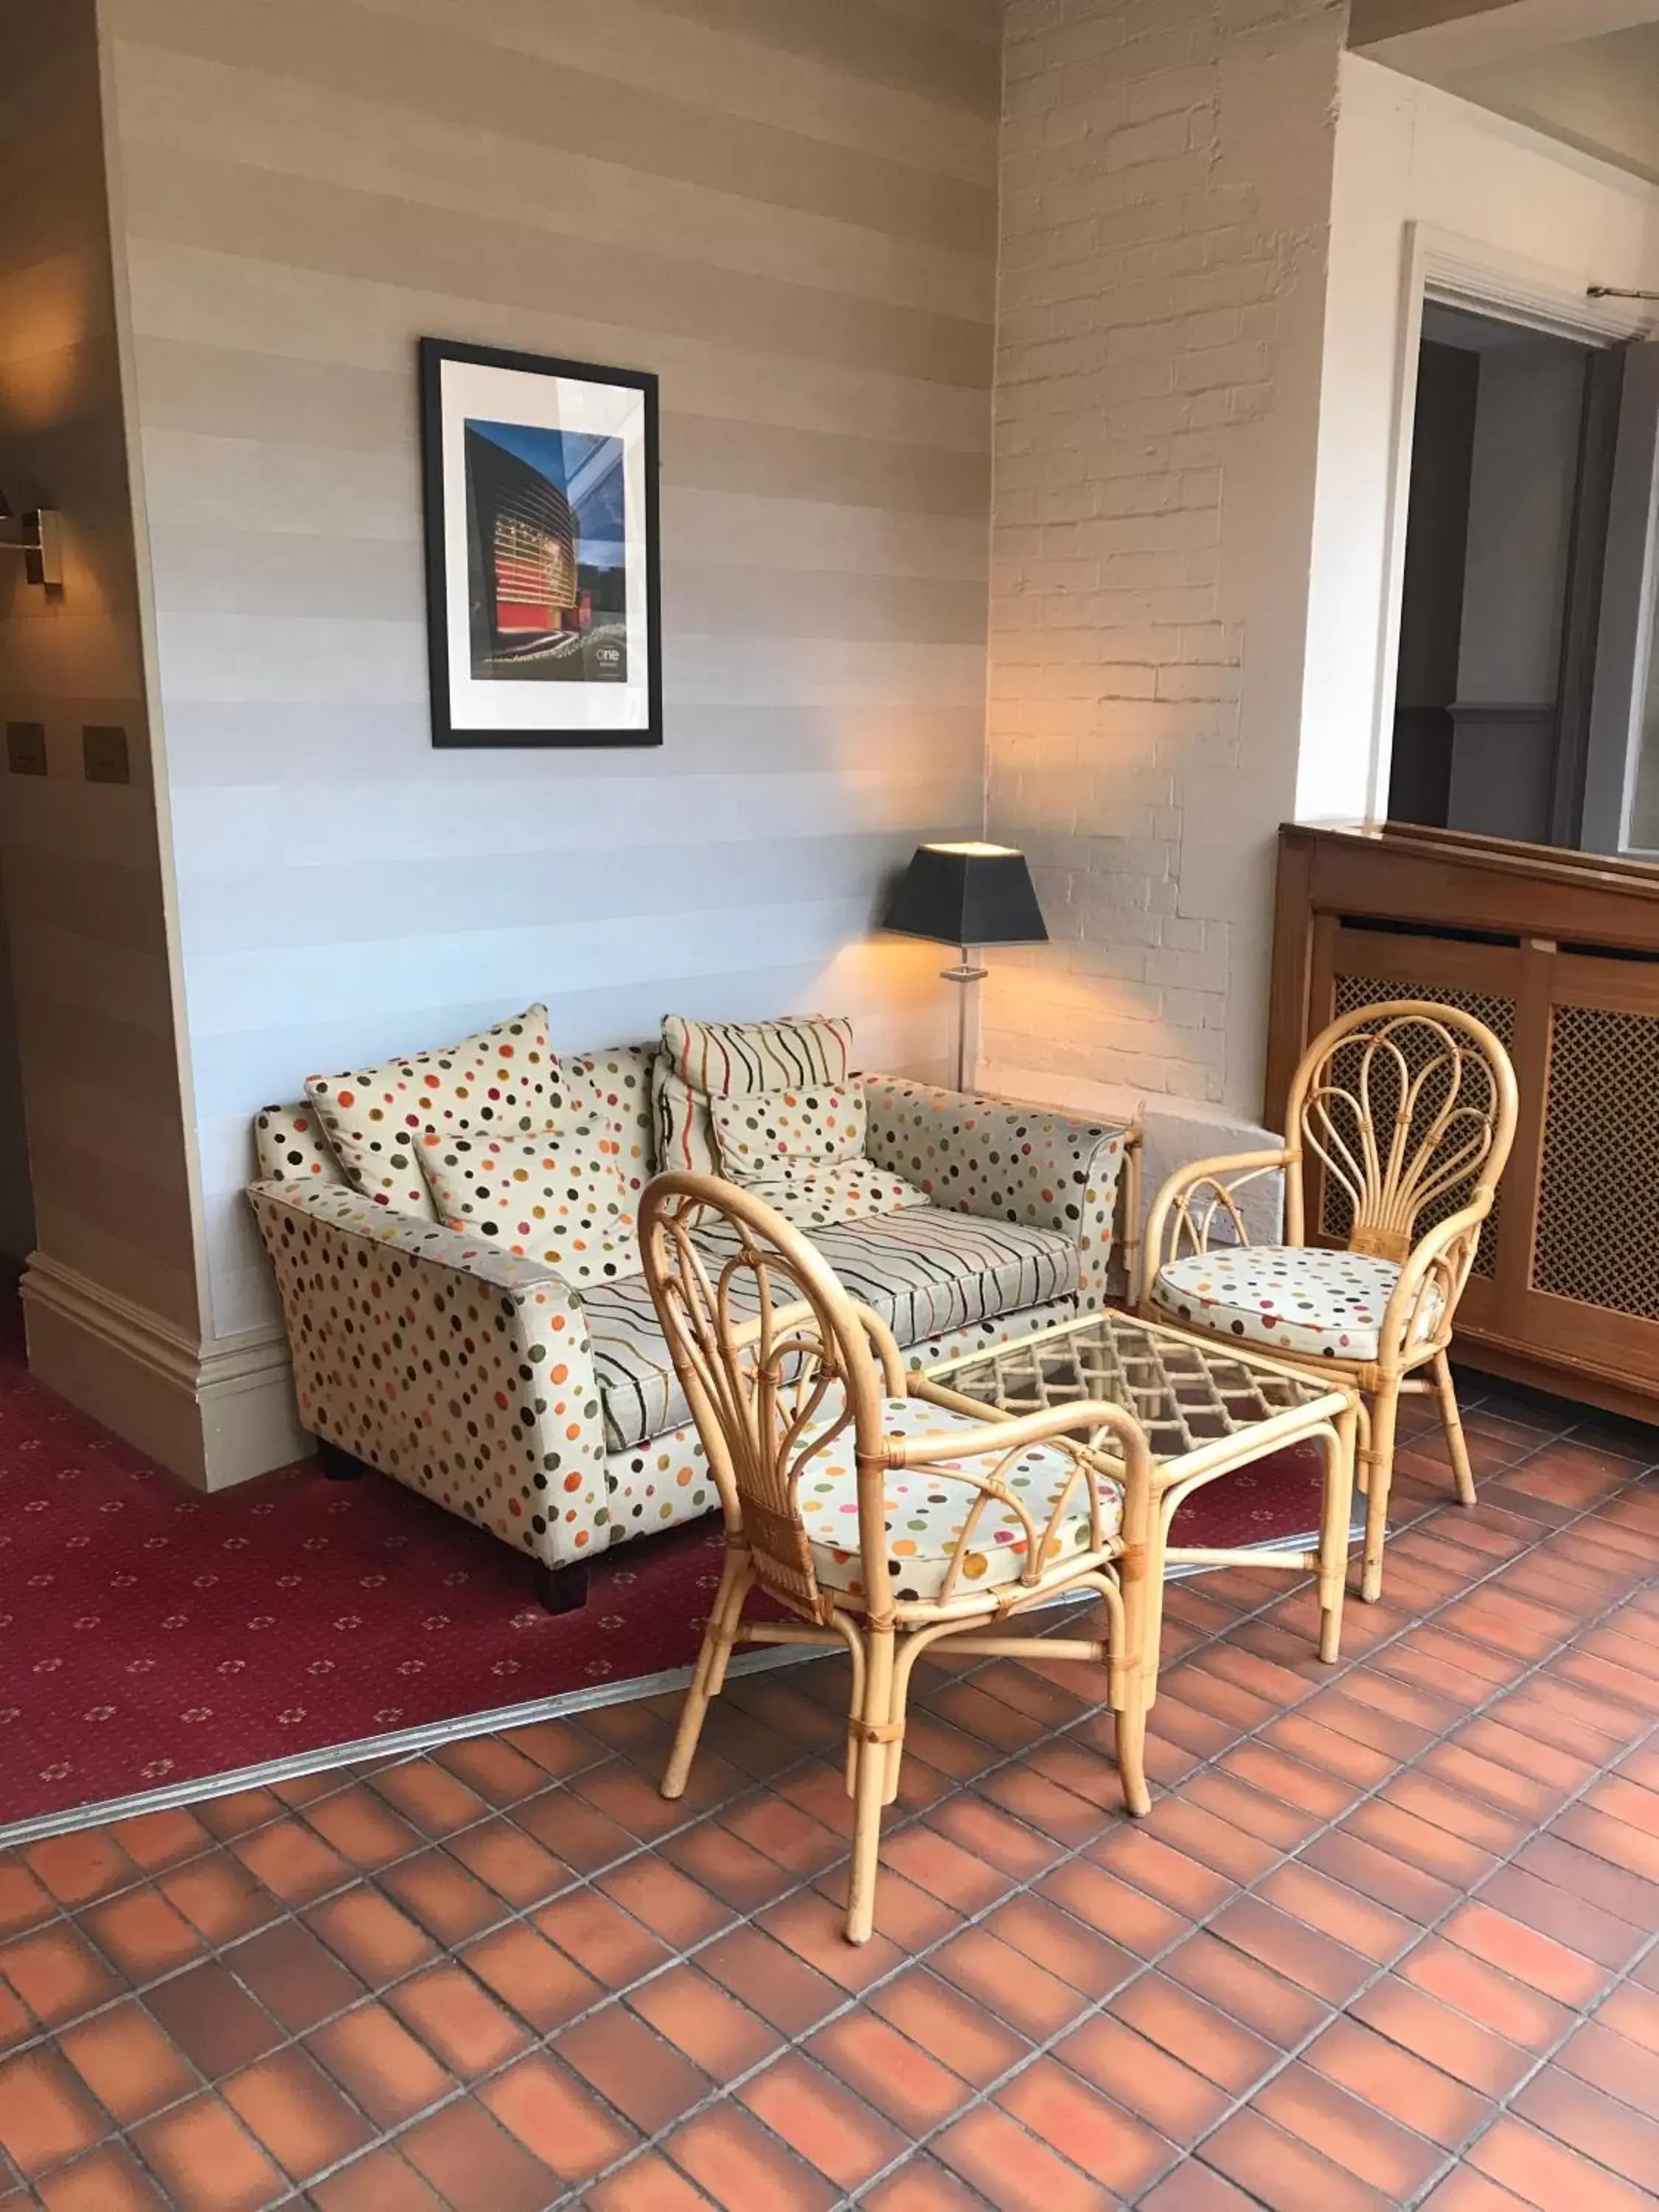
(787, 210)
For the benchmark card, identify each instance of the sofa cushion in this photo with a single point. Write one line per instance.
(701, 1060)
(926, 1273)
(802, 1152)
(925, 1510)
(291, 1146)
(616, 1083)
(765, 1133)
(814, 1198)
(501, 1081)
(559, 1196)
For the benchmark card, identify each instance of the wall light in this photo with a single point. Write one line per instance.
(38, 535)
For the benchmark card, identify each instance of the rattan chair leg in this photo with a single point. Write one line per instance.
(1131, 1727)
(1446, 1391)
(708, 1677)
(871, 1722)
(1334, 1534)
(895, 1748)
(1133, 1674)
(1377, 1457)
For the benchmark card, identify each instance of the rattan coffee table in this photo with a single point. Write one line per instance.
(1206, 1411)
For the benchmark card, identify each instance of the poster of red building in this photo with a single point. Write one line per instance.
(541, 498)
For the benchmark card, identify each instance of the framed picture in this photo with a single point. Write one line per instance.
(543, 591)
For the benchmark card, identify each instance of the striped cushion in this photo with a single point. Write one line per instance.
(731, 1060)
(928, 1273)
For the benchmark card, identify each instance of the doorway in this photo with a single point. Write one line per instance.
(1511, 474)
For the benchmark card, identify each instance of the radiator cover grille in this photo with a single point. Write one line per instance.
(1598, 1195)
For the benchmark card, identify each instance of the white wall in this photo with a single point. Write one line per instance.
(1166, 177)
(1406, 154)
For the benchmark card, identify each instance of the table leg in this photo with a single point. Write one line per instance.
(1339, 1442)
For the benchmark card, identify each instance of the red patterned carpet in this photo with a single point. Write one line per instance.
(151, 1635)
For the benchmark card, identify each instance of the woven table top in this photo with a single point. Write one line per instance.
(1186, 1393)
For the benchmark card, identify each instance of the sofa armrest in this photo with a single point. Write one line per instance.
(461, 1369)
(973, 1155)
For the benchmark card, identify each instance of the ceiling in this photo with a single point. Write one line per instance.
(1584, 71)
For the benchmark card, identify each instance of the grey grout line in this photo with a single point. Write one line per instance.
(753, 1786)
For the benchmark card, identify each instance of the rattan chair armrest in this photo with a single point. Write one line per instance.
(1431, 1254)
(1224, 1171)
(1003, 1437)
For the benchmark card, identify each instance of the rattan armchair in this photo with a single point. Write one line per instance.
(848, 1502)
(1404, 1113)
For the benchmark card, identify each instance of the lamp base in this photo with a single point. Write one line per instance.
(964, 975)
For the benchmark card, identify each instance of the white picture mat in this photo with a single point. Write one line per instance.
(549, 402)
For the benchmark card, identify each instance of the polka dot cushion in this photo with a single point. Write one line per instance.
(1291, 1298)
(803, 1153)
(504, 1078)
(616, 1085)
(560, 1197)
(291, 1147)
(762, 1132)
(924, 1511)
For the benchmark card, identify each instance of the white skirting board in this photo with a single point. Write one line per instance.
(215, 1414)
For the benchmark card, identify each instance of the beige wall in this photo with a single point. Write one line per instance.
(1166, 180)
(83, 872)
(788, 211)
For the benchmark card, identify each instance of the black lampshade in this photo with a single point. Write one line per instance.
(967, 894)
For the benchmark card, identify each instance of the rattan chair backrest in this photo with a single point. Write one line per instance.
(1411, 1108)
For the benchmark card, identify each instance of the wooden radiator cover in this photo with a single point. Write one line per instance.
(1559, 953)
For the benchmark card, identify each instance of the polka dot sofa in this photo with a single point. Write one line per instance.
(537, 1400)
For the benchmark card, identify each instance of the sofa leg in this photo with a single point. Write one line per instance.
(337, 1463)
(562, 1589)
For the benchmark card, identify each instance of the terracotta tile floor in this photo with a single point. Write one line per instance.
(1390, 1935)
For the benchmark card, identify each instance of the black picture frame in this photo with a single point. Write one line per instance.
(438, 492)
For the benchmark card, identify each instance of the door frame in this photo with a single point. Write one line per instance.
(1444, 265)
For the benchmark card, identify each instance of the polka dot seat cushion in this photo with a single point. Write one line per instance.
(926, 1511)
(1289, 1298)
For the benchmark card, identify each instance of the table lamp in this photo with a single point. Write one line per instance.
(966, 895)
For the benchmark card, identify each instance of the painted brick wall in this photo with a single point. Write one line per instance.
(1166, 182)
